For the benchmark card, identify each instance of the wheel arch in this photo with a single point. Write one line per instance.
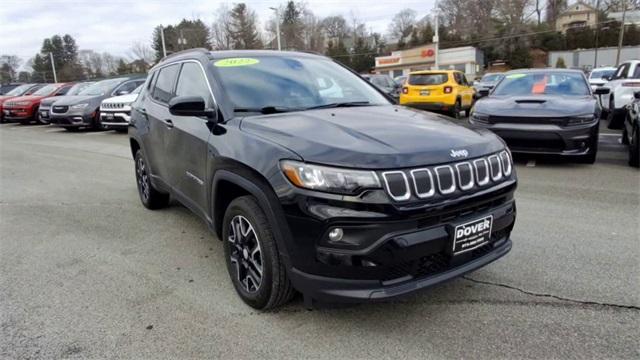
(229, 183)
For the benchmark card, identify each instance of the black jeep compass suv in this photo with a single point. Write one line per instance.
(315, 181)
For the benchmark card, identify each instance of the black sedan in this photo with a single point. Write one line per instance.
(543, 111)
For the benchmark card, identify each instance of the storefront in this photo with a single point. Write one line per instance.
(467, 59)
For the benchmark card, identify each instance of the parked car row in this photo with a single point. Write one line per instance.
(71, 105)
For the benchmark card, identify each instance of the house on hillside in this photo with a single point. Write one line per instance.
(578, 15)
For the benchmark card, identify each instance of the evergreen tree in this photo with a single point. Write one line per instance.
(243, 28)
(123, 68)
(292, 26)
(560, 63)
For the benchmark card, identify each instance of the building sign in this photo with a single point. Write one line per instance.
(416, 56)
(387, 60)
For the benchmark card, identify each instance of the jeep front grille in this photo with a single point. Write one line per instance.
(444, 180)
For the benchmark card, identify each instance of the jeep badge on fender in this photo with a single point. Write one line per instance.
(314, 181)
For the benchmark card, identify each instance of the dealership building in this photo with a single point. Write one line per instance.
(467, 59)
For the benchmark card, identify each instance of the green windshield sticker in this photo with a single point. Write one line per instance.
(233, 62)
(516, 76)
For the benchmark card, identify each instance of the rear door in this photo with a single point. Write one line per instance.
(156, 108)
(186, 142)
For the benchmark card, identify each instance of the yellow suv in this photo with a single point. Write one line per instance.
(438, 90)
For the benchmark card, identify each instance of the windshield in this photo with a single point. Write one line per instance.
(491, 78)
(46, 90)
(77, 88)
(19, 90)
(536, 83)
(101, 87)
(291, 83)
(428, 79)
(598, 74)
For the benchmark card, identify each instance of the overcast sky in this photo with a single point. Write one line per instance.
(113, 25)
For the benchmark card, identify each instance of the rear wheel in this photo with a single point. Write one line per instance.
(151, 198)
(455, 112)
(634, 148)
(253, 261)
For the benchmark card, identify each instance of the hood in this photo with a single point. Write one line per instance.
(128, 98)
(5, 98)
(372, 137)
(75, 99)
(536, 105)
(30, 98)
(50, 100)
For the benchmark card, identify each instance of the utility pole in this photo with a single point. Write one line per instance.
(277, 27)
(182, 41)
(164, 47)
(621, 37)
(436, 37)
(53, 68)
(595, 57)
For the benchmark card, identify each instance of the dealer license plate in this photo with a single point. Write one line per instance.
(472, 234)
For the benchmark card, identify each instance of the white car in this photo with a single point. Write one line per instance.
(623, 84)
(600, 76)
(115, 112)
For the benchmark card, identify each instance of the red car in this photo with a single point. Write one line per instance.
(25, 108)
(26, 89)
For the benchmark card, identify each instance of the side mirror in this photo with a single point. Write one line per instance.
(636, 95)
(601, 91)
(191, 106)
(484, 92)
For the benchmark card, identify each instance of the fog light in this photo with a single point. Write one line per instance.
(336, 234)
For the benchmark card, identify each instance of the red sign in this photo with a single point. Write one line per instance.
(388, 61)
(427, 53)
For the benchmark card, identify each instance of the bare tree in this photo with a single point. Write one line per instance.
(402, 24)
(221, 37)
(140, 50)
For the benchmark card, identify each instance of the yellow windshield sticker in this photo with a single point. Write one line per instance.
(233, 62)
(516, 76)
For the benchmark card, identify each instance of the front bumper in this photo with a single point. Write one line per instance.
(71, 119)
(115, 119)
(345, 290)
(17, 114)
(545, 138)
(398, 251)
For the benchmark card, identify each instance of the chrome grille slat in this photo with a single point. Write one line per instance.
(484, 180)
(452, 188)
(470, 184)
(432, 188)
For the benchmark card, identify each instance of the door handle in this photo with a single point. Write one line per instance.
(169, 123)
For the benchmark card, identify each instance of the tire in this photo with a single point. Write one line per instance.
(97, 124)
(467, 113)
(615, 119)
(122, 131)
(253, 261)
(634, 148)
(455, 112)
(625, 136)
(71, 129)
(150, 197)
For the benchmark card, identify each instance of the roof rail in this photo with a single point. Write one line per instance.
(200, 50)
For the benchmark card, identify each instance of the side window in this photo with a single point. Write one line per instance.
(128, 87)
(192, 82)
(63, 91)
(636, 73)
(163, 89)
(457, 78)
(621, 73)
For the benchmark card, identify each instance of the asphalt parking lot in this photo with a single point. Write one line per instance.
(87, 272)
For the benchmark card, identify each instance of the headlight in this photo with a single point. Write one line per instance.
(581, 119)
(79, 106)
(329, 179)
(479, 117)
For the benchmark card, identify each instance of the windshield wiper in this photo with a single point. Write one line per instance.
(266, 110)
(341, 104)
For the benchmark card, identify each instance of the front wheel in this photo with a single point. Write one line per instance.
(151, 198)
(253, 261)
